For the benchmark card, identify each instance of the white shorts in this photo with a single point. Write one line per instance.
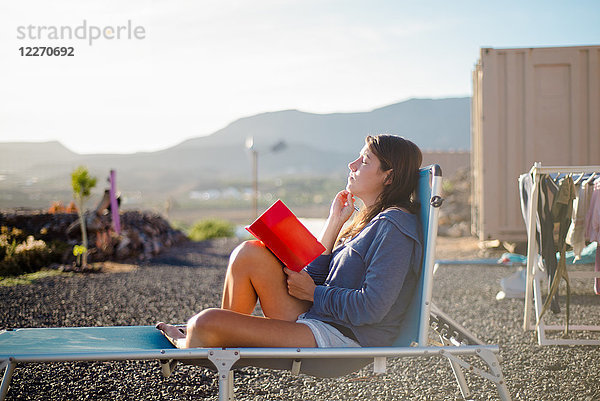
(326, 335)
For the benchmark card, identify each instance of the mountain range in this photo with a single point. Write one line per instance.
(309, 145)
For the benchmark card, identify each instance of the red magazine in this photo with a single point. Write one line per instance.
(289, 240)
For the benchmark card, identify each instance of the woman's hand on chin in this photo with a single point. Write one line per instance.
(342, 207)
(340, 211)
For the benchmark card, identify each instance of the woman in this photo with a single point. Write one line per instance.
(354, 294)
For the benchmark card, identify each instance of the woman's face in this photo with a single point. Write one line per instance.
(366, 180)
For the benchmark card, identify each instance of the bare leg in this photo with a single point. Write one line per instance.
(254, 273)
(225, 328)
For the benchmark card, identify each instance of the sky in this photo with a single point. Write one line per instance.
(185, 68)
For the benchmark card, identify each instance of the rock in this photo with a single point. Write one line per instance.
(122, 251)
(143, 234)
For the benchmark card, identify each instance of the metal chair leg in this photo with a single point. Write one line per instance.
(8, 372)
(223, 361)
(458, 373)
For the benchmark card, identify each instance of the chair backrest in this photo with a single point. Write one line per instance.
(415, 325)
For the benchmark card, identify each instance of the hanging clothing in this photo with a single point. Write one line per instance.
(562, 209)
(581, 205)
(592, 227)
(547, 191)
(525, 190)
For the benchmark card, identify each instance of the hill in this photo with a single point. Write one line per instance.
(316, 145)
(440, 124)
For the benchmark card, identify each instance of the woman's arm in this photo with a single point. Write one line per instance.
(302, 285)
(340, 211)
(392, 255)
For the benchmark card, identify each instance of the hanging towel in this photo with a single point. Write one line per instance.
(525, 191)
(592, 219)
(581, 205)
(592, 227)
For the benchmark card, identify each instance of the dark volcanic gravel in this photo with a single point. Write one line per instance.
(187, 279)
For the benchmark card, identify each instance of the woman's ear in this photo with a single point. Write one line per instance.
(388, 177)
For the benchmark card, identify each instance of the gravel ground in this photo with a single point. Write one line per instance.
(188, 279)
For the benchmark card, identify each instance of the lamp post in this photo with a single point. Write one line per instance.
(254, 154)
(250, 146)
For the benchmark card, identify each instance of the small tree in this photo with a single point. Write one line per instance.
(82, 184)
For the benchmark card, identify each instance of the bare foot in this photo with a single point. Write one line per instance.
(175, 335)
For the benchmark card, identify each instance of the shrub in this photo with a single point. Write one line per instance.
(9, 239)
(211, 228)
(26, 257)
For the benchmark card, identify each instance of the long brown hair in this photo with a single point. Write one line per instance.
(403, 159)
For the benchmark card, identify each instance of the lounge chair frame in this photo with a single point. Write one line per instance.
(146, 343)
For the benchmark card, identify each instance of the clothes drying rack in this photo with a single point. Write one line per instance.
(535, 271)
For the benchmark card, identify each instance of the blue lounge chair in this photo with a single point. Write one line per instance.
(145, 342)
